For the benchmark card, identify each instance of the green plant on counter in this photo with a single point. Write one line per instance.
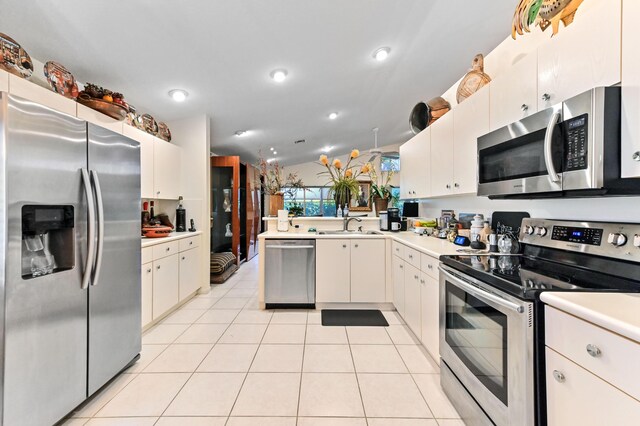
(380, 187)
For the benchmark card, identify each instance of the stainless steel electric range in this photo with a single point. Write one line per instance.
(492, 319)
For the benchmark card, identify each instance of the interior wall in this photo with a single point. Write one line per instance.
(607, 209)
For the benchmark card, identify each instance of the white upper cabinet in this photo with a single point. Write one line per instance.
(442, 156)
(470, 121)
(414, 166)
(99, 119)
(514, 93)
(166, 170)
(146, 158)
(584, 55)
(630, 161)
(25, 89)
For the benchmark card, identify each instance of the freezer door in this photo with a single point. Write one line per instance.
(42, 153)
(114, 293)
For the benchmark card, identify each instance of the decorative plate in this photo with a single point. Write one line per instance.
(163, 131)
(147, 123)
(61, 80)
(13, 58)
(130, 119)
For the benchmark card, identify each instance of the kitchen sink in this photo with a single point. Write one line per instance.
(349, 232)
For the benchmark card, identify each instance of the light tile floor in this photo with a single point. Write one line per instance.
(219, 361)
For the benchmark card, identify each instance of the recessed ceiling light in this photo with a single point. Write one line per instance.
(333, 116)
(178, 95)
(271, 148)
(275, 152)
(381, 54)
(327, 148)
(241, 133)
(279, 75)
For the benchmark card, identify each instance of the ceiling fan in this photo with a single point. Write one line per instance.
(377, 152)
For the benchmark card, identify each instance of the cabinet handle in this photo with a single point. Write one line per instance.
(401, 266)
(190, 243)
(593, 350)
(168, 249)
(410, 256)
(415, 277)
(456, 185)
(422, 281)
(356, 246)
(148, 270)
(430, 266)
(546, 97)
(158, 267)
(559, 376)
(344, 246)
(397, 249)
(636, 156)
(183, 258)
(448, 186)
(524, 107)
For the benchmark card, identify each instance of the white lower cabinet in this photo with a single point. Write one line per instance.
(333, 271)
(412, 306)
(577, 397)
(368, 278)
(350, 270)
(165, 284)
(189, 272)
(397, 264)
(147, 293)
(430, 309)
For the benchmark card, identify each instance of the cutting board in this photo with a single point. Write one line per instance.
(502, 222)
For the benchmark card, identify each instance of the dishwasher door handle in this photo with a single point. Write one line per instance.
(290, 247)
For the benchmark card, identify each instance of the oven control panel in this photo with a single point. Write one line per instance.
(616, 240)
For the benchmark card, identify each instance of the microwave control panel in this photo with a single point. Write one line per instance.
(576, 147)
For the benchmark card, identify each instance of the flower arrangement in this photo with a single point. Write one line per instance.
(343, 179)
(273, 179)
(380, 187)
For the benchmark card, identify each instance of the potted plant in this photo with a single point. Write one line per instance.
(294, 184)
(380, 189)
(343, 179)
(273, 184)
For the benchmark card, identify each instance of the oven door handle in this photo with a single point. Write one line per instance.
(548, 154)
(478, 292)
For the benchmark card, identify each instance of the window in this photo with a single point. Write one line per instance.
(312, 201)
(390, 161)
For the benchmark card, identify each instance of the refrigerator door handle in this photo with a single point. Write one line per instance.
(91, 230)
(98, 261)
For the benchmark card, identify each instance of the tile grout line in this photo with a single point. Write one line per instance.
(355, 372)
(304, 350)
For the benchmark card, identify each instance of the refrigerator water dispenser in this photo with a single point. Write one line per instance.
(48, 240)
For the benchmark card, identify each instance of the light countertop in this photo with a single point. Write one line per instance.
(432, 246)
(617, 312)
(148, 242)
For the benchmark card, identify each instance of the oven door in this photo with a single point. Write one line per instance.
(522, 158)
(486, 339)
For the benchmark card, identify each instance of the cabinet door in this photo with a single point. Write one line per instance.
(414, 170)
(470, 120)
(580, 57)
(333, 271)
(430, 309)
(166, 169)
(406, 170)
(442, 156)
(189, 273)
(397, 263)
(368, 271)
(577, 397)
(4, 81)
(146, 158)
(630, 161)
(165, 285)
(514, 93)
(147, 293)
(412, 298)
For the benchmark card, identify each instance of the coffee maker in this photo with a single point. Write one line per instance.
(395, 222)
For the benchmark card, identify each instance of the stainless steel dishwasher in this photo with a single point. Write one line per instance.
(290, 273)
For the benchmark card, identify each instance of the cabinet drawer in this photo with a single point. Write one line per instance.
(616, 361)
(147, 254)
(429, 265)
(189, 243)
(397, 249)
(166, 249)
(577, 397)
(412, 256)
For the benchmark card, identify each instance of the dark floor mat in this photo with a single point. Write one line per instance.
(354, 318)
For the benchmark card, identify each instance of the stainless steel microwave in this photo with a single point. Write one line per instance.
(569, 149)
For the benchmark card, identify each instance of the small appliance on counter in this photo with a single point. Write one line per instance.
(384, 221)
(394, 219)
(410, 209)
(283, 220)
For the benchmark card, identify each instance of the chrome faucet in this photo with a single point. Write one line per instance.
(347, 220)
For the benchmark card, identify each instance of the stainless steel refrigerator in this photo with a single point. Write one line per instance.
(69, 260)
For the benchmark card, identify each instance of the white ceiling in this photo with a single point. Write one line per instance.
(222, 51)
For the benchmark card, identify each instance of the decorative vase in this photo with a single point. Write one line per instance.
(228, 232)
(226, 204)
(381, 204)
(276, 202)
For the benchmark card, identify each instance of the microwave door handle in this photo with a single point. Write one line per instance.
(477, 292)
(548, 154)
(91, 223)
